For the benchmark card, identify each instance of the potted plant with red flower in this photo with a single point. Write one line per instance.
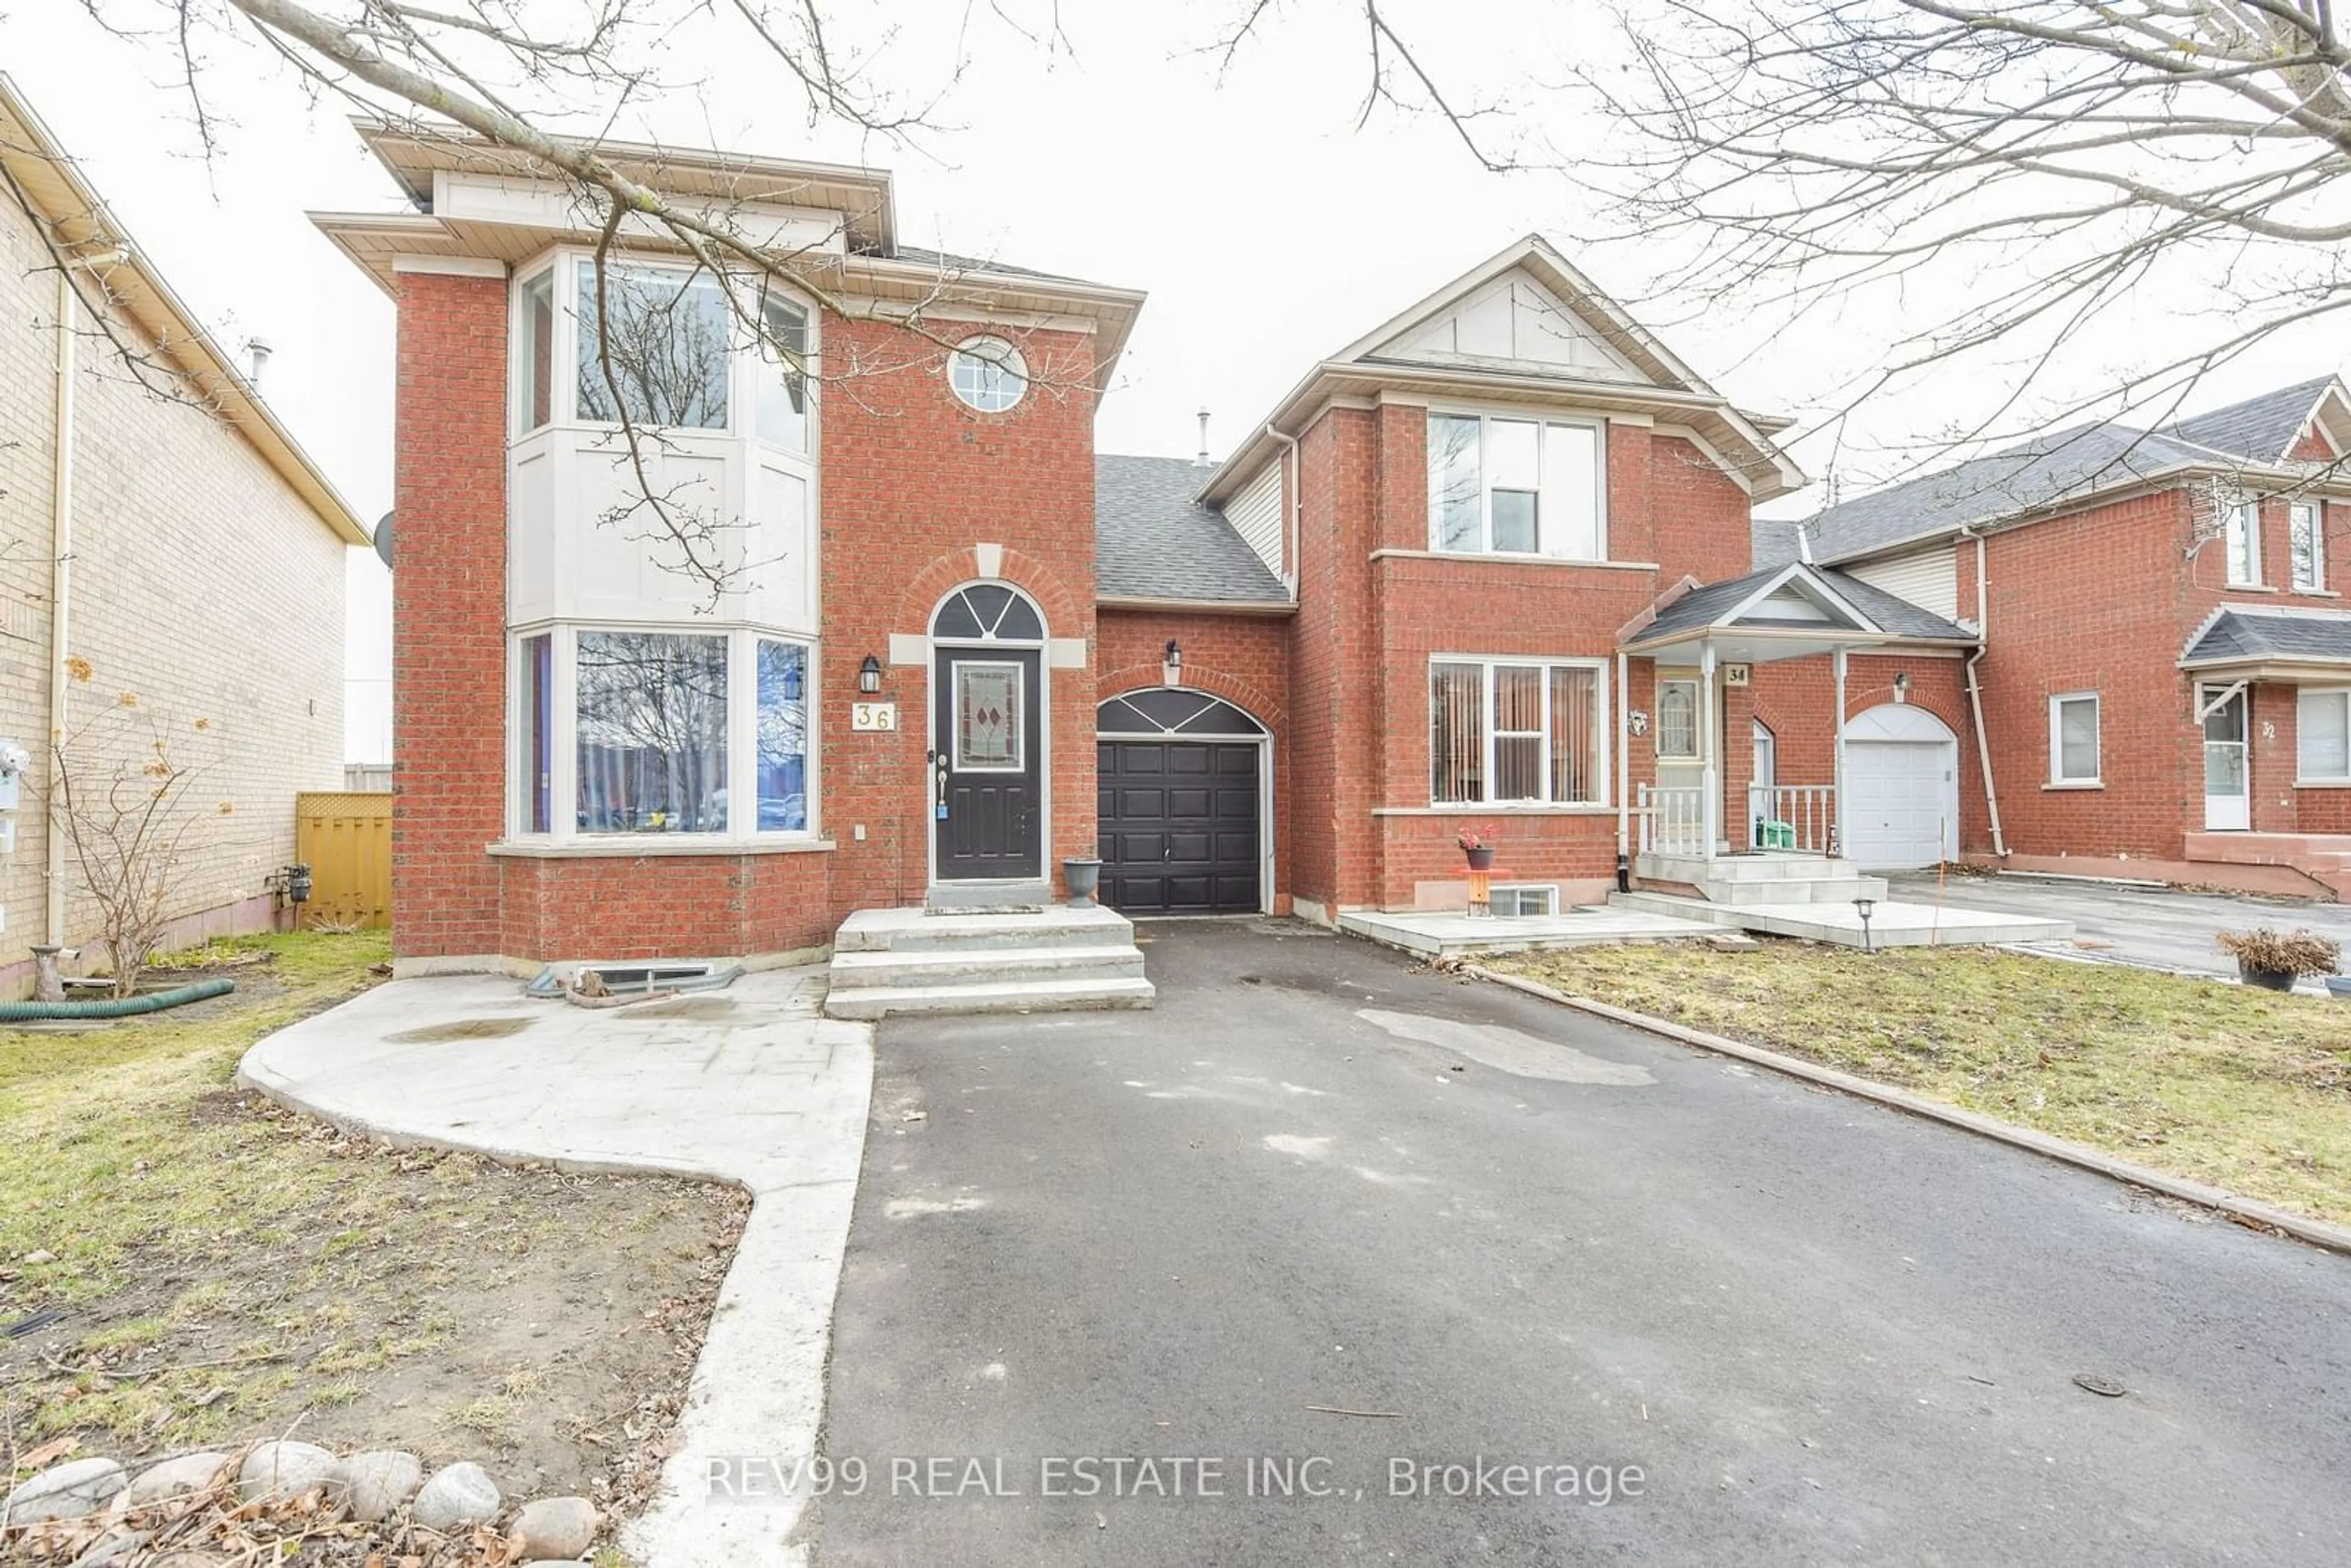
(1477, 841)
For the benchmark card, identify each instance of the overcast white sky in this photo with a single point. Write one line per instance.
(1267, 227)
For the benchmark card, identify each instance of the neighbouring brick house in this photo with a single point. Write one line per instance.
(1449, 580)
(160, 528)
(2164, 667)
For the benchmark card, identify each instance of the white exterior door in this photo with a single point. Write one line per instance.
(1902, 789)
(2228, 800)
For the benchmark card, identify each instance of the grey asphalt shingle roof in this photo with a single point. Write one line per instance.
(2233, 633)
(2260, 430)
(2050, 469)
(1151, 541)
(1702, 606)
(2036, 473)
(948, 261)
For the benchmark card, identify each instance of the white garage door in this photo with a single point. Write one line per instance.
(1902, 787)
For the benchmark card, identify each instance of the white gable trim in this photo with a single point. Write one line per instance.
(1508, 323)
(1812, 583)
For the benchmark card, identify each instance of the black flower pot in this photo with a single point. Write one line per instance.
(1083, 875)
(2267, 979)
(1480, 859)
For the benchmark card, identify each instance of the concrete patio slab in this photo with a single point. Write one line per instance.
(1434, 933)
(747, 1085)
(1892, 923)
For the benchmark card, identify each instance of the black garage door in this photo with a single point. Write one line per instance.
(1179, 826)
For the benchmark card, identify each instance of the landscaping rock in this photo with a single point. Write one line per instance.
(275, 1471)
(189, 1473)
(114, 1549)
(379, 1481)
(457, 1494)
(554, 1528)
(71, 1490)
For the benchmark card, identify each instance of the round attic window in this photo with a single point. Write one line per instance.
(988, 373)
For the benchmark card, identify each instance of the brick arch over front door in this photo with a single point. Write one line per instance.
(1183, 790)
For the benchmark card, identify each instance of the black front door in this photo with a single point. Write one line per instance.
(986, 764)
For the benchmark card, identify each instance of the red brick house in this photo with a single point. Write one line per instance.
(1489, 565)
(2165, 675)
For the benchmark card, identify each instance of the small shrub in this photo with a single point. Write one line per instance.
(2289, 952)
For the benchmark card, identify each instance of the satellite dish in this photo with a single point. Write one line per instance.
(383, 540)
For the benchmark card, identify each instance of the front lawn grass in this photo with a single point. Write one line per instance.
(194, 1266)
(2229, 1085)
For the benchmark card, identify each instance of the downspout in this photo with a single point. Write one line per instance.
(60, 603)
(1975, 696)
(1624, 778)
(1295, 510)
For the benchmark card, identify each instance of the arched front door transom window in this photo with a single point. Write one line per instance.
(987, 612)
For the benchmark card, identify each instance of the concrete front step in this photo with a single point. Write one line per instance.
(1697, 869)
(1810, 889)
(971, 965)
(911, 930)
(988, 897)
(1016, 997)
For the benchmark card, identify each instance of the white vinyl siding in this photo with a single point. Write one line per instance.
(1928, 579)
(1256, 515)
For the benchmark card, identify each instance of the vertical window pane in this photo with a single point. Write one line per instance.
(783, 737)
(1513, 471)
(1453, 483)
(1677, 719)
(652, 733)
(783, 376)
(2077, 738)
(1576, 735)
(1456, 733)
(668, 334)
(2241, 537)
(1518, 732)
(1571, 492)
(2308, 547)
(535, 358)
(2323, 726)
(539, 733)
(988, 733)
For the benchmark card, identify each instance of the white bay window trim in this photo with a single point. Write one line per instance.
(742, 717)
(1568, 490)
(1598, 740)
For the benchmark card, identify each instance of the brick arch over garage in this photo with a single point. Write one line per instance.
(1250, 699)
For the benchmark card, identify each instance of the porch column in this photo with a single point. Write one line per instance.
(1839, 816)
(1709, 785)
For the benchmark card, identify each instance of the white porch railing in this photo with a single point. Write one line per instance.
(1673, 820)
(1792, 817)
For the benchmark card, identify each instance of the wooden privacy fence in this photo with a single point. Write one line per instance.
(345, 838)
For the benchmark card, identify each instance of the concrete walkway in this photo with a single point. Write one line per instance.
(2160, 927)
(747, 1085)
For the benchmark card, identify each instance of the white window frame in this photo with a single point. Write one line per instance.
(2343, 695)
(1515, 892)
(1697, 753)
(742, 738)
(1604, 730)
(2313, 515)
(1541, 422)
(2241, 521)
(2058, 777)
(746, 364)
(988, 351)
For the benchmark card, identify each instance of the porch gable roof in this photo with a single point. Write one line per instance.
(1796, 600)
(2259, 639)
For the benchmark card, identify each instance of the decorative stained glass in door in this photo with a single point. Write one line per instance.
(988, 717)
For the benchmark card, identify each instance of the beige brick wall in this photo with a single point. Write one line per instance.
(200, 582)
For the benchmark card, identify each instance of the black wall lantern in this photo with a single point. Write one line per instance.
(869, 675)
(1171, 668)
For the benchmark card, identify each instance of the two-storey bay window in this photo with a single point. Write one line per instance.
(1522, 486)
(2306, 545)
(661, 731)
(1523, 732)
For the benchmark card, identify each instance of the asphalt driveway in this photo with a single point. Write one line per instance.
(2146, 925)
(1468, 1226)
